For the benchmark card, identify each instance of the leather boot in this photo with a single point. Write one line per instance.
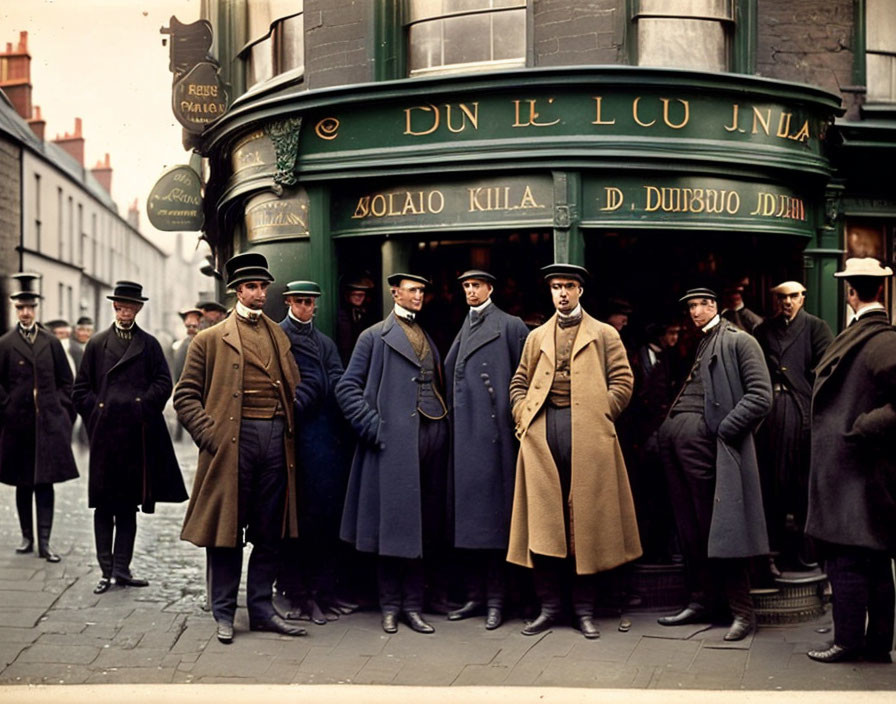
(26, 522)
(45, 523)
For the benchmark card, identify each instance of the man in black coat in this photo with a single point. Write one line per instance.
(35, 447)
(391, 394)
(354, 316)
(479, 366)
(793, 342)
(120, 392)
(852, 477)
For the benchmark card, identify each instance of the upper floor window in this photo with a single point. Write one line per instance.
(453, 36)
(276, 40)
(694, 34)
(880, 51)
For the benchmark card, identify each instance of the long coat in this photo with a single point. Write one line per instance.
(121, 401)
(737, 396)
(852, 478)
(478, 369)
(36, 411)
(208, 401)
(378, 395)
(602, 511)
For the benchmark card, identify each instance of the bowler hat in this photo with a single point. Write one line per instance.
(84, 321)
(362, 284)
(248, 266)
(619, 306)
(186, 311)
(477, 274)
(129, 291)
(206, 306)
(565, 271)
(396, 279)
(863, 266)
(302, 288)
(58, 323)
(27, 284)
(702, 292)
(788, 287)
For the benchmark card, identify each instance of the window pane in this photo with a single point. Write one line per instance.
(261, 63)
(426, 45)
(880, 23)
(881, 77)
(260, 19)
(467, 39)
(720, 9)
(509, 33)
(695, 44)
(290, 40)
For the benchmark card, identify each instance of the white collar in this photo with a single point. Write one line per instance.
(574, 313)
(867, 308)
(296, 320)
(482, 306)
(246, 312)
(711, 324)
(122, 327)
(404, 313)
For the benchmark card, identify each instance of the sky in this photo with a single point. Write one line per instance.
(103, 61)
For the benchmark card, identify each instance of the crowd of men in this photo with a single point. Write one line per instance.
(554, 453)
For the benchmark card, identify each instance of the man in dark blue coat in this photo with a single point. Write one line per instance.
(391, 394)
(120, 392)
(478, 369)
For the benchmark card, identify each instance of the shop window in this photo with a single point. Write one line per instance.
(880, 50)
(694, 34)
(276, 44)
(455, 36)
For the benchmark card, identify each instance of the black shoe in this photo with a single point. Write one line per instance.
(27, 545)
(588, 627)
(543, 623)
(493, 618)
(417, 622)
(740, 628)
(224, 631)
(130, 581)
(836, 653)
(471, 608)
(275, 624)
(390, 622)
(102, 586)
(690, 614)
(342, 607)
(773, 568)
(877, 656)
(45, 551)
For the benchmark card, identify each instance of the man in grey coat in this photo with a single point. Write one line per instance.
(710, 460)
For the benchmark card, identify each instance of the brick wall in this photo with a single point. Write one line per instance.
(572, 32)
(337, 33)
(10, 220)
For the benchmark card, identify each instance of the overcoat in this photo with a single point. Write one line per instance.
(737, 396)
(478, 369)
(36, 411)
(852, 476)
(121, 401)
(378, 395)
(602, 511)
(208, 401)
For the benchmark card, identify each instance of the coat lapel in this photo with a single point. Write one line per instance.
(135, 349)
(588, 333)
(793, 331)
(230, 334)
(21, 346)
(394, 336)
(482, 334)
(548, 346)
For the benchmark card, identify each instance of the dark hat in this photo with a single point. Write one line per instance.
(698, 293)
(128, 291)
(302, 288)
(396, 279)
(248, 266)
(206, 306)
(565, 271)
(27, 284)
(84, 321)
(186, 311)
(619, 306)
(362, 284)
(477, 274)
(58, 323)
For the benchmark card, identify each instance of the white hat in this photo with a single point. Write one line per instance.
(788, 287)
(863, 266)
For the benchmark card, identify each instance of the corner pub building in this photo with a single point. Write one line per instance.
(659, 143)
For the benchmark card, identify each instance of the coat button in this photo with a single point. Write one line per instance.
(100, 404)
(232, 439)
(277, 383)
(231, 417)
(236, 393)
(21, 363)
(137, 399)
(236, 366)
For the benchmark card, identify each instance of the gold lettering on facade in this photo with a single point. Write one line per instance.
(427, 109)
(763, 122)
(468, 116)
(779, 205)
(466, 113)
(327, 129)
(597, 118)
(399, 204)
(485, 198)
(635, 114)
(674, 199)
(687, 113)
(614, 197)
(533, 115)
(783, 124)
(202, 91)
(802, 135)
(734, 126)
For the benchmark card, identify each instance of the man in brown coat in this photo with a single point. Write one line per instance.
(236, 399)
(572, 505)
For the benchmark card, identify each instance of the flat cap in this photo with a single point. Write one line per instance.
(397, 278)
(302, 288)
(206, 306)
(698, 293)
(477, 274)
(187, 311)
(786, 288)
(565, 271)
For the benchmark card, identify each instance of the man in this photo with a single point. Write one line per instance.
(191, 318)
(391, 395)
(479, 365)
(573, 514)
(312, 564)
(735, 310)
(852, 479)
(212, 313)
(710, 461)
(36, 415)
(83, 331)
(121, 390)
(618, 312)
(236, 399)
(354, 316)
(793, 342)
(62, 330)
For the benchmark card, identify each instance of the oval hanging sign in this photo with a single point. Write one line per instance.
(199, 97)
(175, 202)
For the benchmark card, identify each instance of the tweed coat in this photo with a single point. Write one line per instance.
(602, 511)
(121, 400)
(852, 476)
(208, 401)
(383, 511)
(36, 411)
(478, 368)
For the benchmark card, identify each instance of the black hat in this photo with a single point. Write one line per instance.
(566, 271)
(396, 279)
(698, 293)
(27, 284)
(206, 306)
(58, 323)
(84, 321)
(248, 266)
(477, 274)
(362, 284)
(619, 306)
(129, 291)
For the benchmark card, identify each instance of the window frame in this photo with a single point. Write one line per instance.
(278, 78)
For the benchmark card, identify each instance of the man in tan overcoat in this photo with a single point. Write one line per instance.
(236, 398)
(572, 507)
